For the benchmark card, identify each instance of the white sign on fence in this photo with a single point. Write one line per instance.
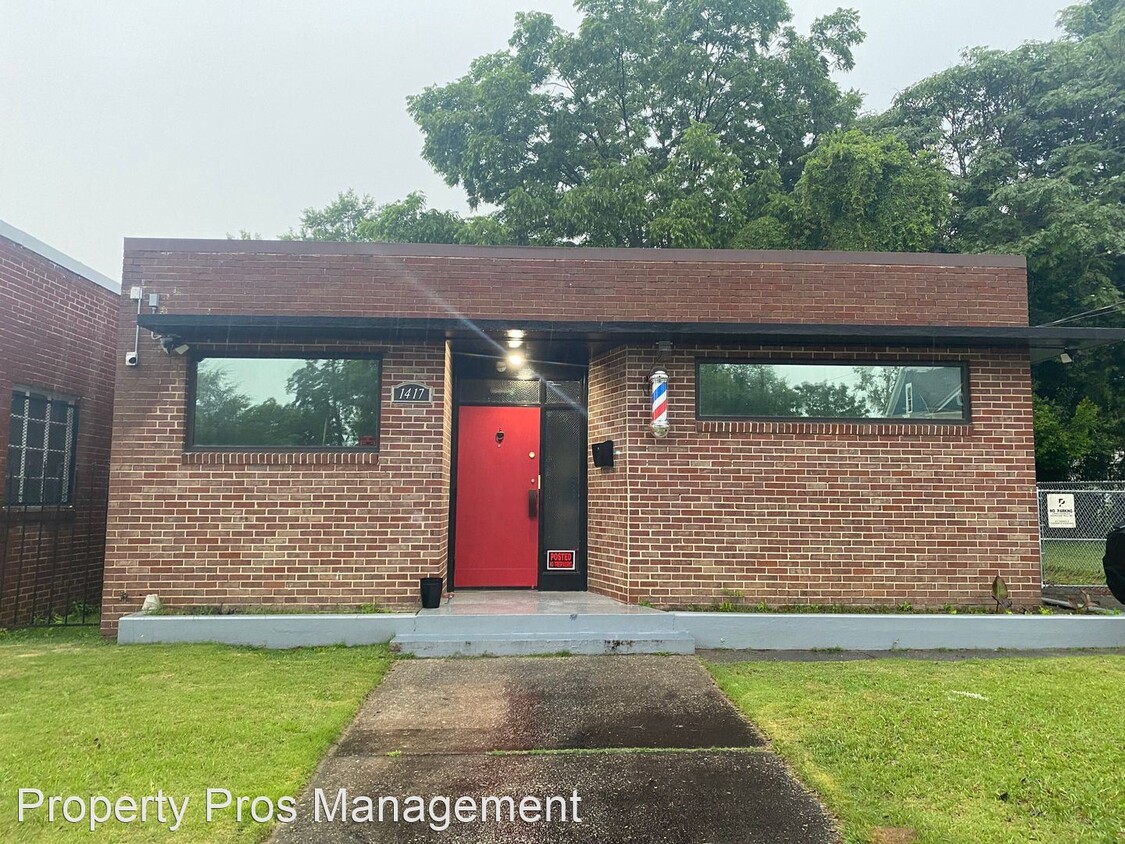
(1060, 510)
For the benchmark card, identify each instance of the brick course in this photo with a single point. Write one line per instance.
(307, 529)
(792, 512)
(787, 512)
(572, 288)
(56, 335)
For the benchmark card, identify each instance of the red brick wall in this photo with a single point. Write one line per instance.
(308, 529)
(56, 334)
(820, 513)
(607, 507)
(782, 512)
(571, 287)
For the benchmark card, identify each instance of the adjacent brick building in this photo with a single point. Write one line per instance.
(57, 343)
(322, 424)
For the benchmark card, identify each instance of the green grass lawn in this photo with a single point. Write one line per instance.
(1068, 562)
(82, 716)
(898, 743)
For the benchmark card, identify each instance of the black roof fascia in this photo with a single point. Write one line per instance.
(219, 328)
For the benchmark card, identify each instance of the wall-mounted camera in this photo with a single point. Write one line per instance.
(173, 344)
(130, 358)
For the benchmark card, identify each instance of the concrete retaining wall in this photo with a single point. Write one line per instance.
(265, 631)
(738, 631)
(863, 632)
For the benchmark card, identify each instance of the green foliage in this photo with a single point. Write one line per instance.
(1073, 445)
(748, 389)
(82, 713)
(740, 390)
(340, 220)
(331, 402)
(714, 123)
(823, 400)
(860, 192)
(892, 745)
(350, 217)
(1034, 139)
(646, 126)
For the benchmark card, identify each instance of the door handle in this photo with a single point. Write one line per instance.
(532, 503)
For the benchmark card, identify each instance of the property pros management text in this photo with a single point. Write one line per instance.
(338, 806)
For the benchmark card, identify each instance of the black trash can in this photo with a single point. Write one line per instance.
(431, 593)
(1114, 562)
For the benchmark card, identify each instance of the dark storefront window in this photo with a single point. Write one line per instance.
(286, 403)
(41, 443)
(751, 389)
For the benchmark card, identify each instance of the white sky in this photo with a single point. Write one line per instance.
(184, 118)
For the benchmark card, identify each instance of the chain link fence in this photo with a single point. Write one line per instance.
(1074, 519)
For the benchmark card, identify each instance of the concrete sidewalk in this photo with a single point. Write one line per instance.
(650, 746)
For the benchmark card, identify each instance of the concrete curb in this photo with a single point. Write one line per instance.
(873, 632)
(265, 631)
(738, 631)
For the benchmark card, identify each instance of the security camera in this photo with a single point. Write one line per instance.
(130, 358)
(173, 344)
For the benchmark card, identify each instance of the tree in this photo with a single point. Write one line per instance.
(218, 406)
(648, 127)
(340, 220)
(340, 396)
(822, 400)
(1073, 446)
(745, 390)
(860, 192)
(1034, 141)
(350, 217)
(877, 384)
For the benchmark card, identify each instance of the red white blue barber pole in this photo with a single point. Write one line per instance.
(659, 380)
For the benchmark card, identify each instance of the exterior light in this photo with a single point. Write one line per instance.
(659, 381)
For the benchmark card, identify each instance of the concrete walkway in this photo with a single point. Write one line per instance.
(649, 745)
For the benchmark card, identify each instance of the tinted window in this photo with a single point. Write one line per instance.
(831, 391)
(286, 403)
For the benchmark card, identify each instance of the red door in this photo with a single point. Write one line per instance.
(496, 538)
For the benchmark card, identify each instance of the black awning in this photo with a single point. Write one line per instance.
(1045, 341)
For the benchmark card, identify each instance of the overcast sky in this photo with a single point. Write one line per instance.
(180, 118)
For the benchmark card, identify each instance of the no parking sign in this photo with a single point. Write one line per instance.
(1060, 510)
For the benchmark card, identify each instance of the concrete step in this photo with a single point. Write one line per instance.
(528, 644)
(611, 624)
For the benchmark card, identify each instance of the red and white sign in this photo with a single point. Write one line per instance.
(561, 560)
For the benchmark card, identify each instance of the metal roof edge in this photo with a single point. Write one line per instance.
(43, 250)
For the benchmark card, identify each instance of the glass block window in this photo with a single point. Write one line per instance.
(41, 441)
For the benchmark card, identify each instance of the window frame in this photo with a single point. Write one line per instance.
(190, 394)
(963, 365)
(66, 502)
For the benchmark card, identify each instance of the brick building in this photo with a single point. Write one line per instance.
(322, 424)
(57, 343)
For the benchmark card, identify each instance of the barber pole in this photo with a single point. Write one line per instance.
(659, 380)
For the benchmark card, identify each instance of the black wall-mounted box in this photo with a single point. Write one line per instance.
(603, 454)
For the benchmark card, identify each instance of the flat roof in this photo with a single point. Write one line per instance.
(570, 253)
(53, 255)
(1043, 341)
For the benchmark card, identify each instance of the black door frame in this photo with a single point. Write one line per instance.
(472, 367)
